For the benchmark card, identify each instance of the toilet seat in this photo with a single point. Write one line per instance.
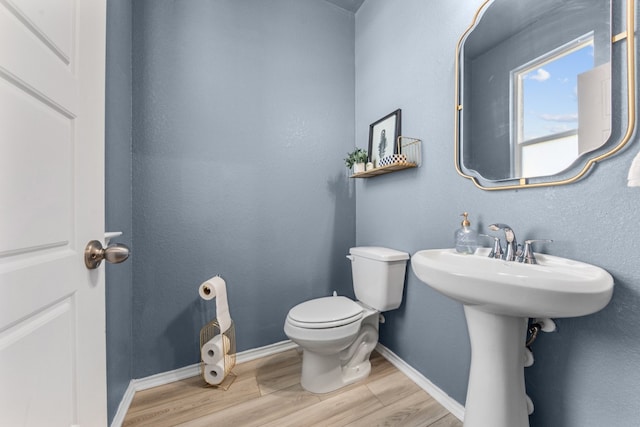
(326, 312)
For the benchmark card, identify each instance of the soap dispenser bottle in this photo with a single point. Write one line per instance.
(465, 237)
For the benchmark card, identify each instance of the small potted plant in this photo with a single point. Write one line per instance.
(357, 160)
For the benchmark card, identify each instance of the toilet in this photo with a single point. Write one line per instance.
(337, 334)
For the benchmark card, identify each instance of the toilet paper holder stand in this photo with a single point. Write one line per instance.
(209, 331)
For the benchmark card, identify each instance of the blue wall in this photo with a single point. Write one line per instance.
(587, 373)
(118, 199)
(242, 114)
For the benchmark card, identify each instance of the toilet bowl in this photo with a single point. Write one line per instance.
(337, 334)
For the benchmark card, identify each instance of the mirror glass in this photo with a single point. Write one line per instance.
(534, 87)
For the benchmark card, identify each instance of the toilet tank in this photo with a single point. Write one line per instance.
(378, 276)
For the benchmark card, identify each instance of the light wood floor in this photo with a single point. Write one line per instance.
(267, 392)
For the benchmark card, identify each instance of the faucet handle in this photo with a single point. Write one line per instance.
(497, 251)
(527, 256)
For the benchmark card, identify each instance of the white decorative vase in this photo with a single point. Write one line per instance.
(358, 167)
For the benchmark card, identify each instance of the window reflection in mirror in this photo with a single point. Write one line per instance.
(545, 109)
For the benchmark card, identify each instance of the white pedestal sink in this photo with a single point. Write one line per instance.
(499, 297)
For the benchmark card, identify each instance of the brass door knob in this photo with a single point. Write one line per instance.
(94, 253)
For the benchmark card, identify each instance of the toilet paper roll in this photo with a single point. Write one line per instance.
(216, 288)
(206, 290)
(215, 349)
(215, 373)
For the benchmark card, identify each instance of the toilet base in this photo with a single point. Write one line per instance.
(326, 373)
(356, 373)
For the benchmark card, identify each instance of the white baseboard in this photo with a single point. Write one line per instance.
(188, 372)
(245, 356)
(434, 391)
(267, 350)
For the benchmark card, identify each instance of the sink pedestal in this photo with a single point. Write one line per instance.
(496, 393)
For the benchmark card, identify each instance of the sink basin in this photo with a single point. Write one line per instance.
(555, 287)
(498, 298)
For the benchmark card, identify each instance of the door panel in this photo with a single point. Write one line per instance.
(40, 171)
(43, 395)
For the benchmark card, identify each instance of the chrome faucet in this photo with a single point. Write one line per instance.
(511, 253)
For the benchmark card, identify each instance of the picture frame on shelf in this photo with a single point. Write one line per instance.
(383, 136)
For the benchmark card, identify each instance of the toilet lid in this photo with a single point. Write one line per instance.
(327, 312)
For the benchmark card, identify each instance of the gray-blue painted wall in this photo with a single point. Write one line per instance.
(242, 114)
(118, 212)
(587, 373)
(229, 96)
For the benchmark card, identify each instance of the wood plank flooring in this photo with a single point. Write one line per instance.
(267, 393)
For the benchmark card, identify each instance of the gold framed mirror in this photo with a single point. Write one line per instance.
(540, 91)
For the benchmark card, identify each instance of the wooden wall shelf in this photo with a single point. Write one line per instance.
(384, 170)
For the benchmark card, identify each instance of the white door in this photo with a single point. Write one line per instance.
(52, 314)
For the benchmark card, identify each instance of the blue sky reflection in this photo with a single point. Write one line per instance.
(550, 94)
